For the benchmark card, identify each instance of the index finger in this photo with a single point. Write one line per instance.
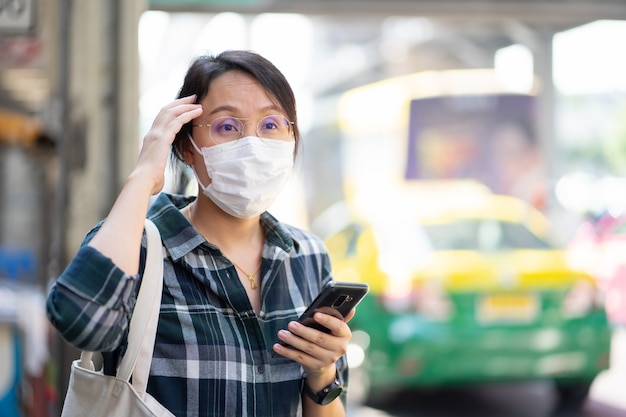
(336, 325)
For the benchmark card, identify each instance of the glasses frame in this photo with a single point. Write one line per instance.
(243, 122)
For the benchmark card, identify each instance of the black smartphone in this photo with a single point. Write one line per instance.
(336, 299)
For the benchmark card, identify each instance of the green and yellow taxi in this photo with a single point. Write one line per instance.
(466, 289)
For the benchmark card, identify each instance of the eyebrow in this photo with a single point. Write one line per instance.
(234, 110)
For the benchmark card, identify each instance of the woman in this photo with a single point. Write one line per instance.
(235, 279)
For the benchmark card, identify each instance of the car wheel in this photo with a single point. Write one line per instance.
(573, 394)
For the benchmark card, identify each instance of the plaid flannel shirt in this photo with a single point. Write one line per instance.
(213, 355)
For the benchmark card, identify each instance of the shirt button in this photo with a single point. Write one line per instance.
(261, 368)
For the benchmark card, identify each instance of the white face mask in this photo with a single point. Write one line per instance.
(246, 175)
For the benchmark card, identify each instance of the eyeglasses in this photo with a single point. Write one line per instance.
(228, 129)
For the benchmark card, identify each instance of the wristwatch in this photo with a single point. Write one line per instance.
(326, 395)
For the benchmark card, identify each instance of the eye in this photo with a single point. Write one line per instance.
(270, 123)
(226, 126)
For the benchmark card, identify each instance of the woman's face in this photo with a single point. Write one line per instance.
(235, 94)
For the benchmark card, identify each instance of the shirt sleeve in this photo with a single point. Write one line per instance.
(91, 302)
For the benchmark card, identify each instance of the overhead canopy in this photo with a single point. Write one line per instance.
(564, 11)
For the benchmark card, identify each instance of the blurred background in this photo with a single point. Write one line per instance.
(466, 158)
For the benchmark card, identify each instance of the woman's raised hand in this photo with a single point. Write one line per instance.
(156, 144)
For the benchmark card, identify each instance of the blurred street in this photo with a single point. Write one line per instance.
(537, 399)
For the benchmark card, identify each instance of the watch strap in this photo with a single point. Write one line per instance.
(327, 394)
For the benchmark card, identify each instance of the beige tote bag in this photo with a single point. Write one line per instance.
(91, 393)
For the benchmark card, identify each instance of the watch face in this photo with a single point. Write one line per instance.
(332, 394)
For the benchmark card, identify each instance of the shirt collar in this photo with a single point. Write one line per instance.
(179, 236)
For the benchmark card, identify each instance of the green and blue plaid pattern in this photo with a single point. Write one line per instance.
(212, 356)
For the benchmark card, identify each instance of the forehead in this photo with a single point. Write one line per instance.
(236, 89)
(235, 78)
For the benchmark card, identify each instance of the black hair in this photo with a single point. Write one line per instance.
(204, 69)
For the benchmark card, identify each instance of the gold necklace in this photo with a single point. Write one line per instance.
(249, 276)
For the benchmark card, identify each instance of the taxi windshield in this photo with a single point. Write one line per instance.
(482, 235)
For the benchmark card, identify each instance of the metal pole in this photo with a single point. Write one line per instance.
(546, 101)
(58, 241)
(111, 110)
(60, 349)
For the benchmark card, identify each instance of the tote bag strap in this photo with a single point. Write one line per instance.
(143, 324)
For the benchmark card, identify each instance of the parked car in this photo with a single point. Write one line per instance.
(466, 289)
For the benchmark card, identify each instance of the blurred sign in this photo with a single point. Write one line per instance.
(17, 264)
(17, 16)
(21, 52)
(507, 308)
(16, 129)
(485, 137)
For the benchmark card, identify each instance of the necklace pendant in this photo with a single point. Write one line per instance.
(252, 282)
